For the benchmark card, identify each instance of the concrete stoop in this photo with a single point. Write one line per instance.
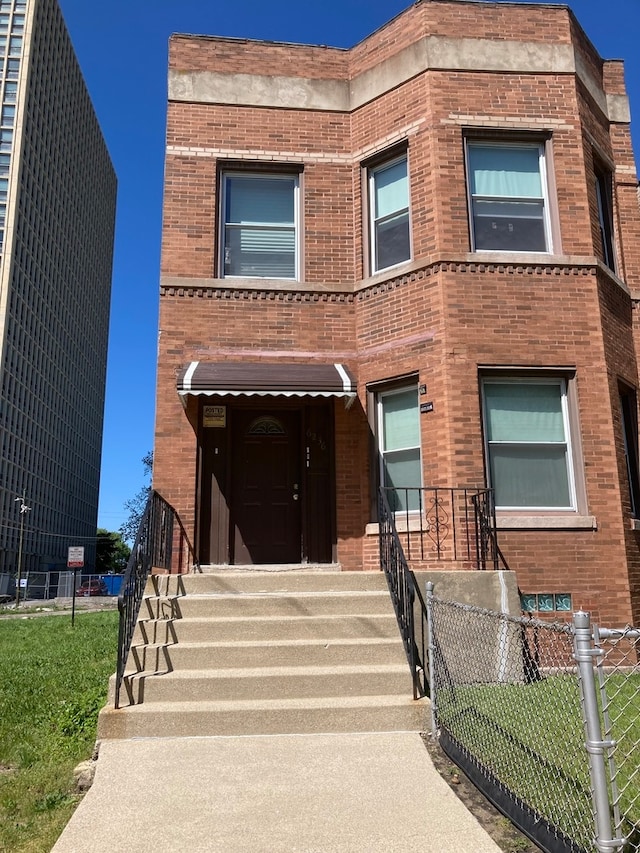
(251, 652)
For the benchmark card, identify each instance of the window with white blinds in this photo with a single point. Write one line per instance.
(260, 229)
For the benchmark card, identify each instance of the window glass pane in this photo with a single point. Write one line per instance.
(507, 198)
(605, 217)
(260, 233)
(391, 189)
(509, 226)
(499, 170)
(530, 476)
(260, 200)
(400, 420)
(629, 408)
(524, 412)
(6, 138)
(264, 253)
(401, 471)
(392, 241)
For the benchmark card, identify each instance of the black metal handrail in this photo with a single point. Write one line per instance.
(406, 598)
(160, 543)
(488, 551)
(446, 524)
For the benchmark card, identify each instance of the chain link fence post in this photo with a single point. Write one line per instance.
(584, 653)
(431, 652)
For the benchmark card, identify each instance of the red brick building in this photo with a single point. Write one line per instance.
(413, 263)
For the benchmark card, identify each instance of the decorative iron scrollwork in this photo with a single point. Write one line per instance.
(266, 425)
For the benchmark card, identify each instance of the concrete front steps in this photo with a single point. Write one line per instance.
(264, 652)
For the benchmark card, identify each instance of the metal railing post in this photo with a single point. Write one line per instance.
(584, 653)
(431, 653)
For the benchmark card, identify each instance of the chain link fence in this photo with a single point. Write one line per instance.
(545, 720)
(618, 673)
(47, 586)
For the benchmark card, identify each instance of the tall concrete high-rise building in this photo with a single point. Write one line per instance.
(57, 210)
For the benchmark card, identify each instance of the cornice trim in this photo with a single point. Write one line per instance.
(431, 53)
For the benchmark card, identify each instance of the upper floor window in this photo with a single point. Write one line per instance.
(604, 198)
(629, 411)
(528, 443)
(508, 197)
(389, 214)
(260, 225)
(13, 69)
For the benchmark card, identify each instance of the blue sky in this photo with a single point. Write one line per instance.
(122, 49)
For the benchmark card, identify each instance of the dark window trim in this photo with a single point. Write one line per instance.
(268, 167)
(629, 423)
(604, 187)
(398, 149)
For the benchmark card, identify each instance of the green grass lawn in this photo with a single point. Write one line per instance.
(53, 682)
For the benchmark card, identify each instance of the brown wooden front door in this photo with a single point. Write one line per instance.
(266, 519)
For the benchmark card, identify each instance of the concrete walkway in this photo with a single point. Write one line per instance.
(324, 793)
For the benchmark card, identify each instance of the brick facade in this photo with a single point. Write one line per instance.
(440, 73)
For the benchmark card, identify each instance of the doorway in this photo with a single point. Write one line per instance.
(265, 504)
(266, 485)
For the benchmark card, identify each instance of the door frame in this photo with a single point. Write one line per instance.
(213, 488)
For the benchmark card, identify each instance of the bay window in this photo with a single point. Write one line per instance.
(508, 198)
(604, 200)
(389, 214)
(629, 413)
(528, 444)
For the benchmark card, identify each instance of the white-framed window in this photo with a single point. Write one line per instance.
(389, 214)
(528, 443)
(260, 225)
(398, 427)
(604, 200)
(508, 196)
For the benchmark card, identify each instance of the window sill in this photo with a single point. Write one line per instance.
(569, 521)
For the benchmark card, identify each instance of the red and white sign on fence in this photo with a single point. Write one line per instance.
(75, 558)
